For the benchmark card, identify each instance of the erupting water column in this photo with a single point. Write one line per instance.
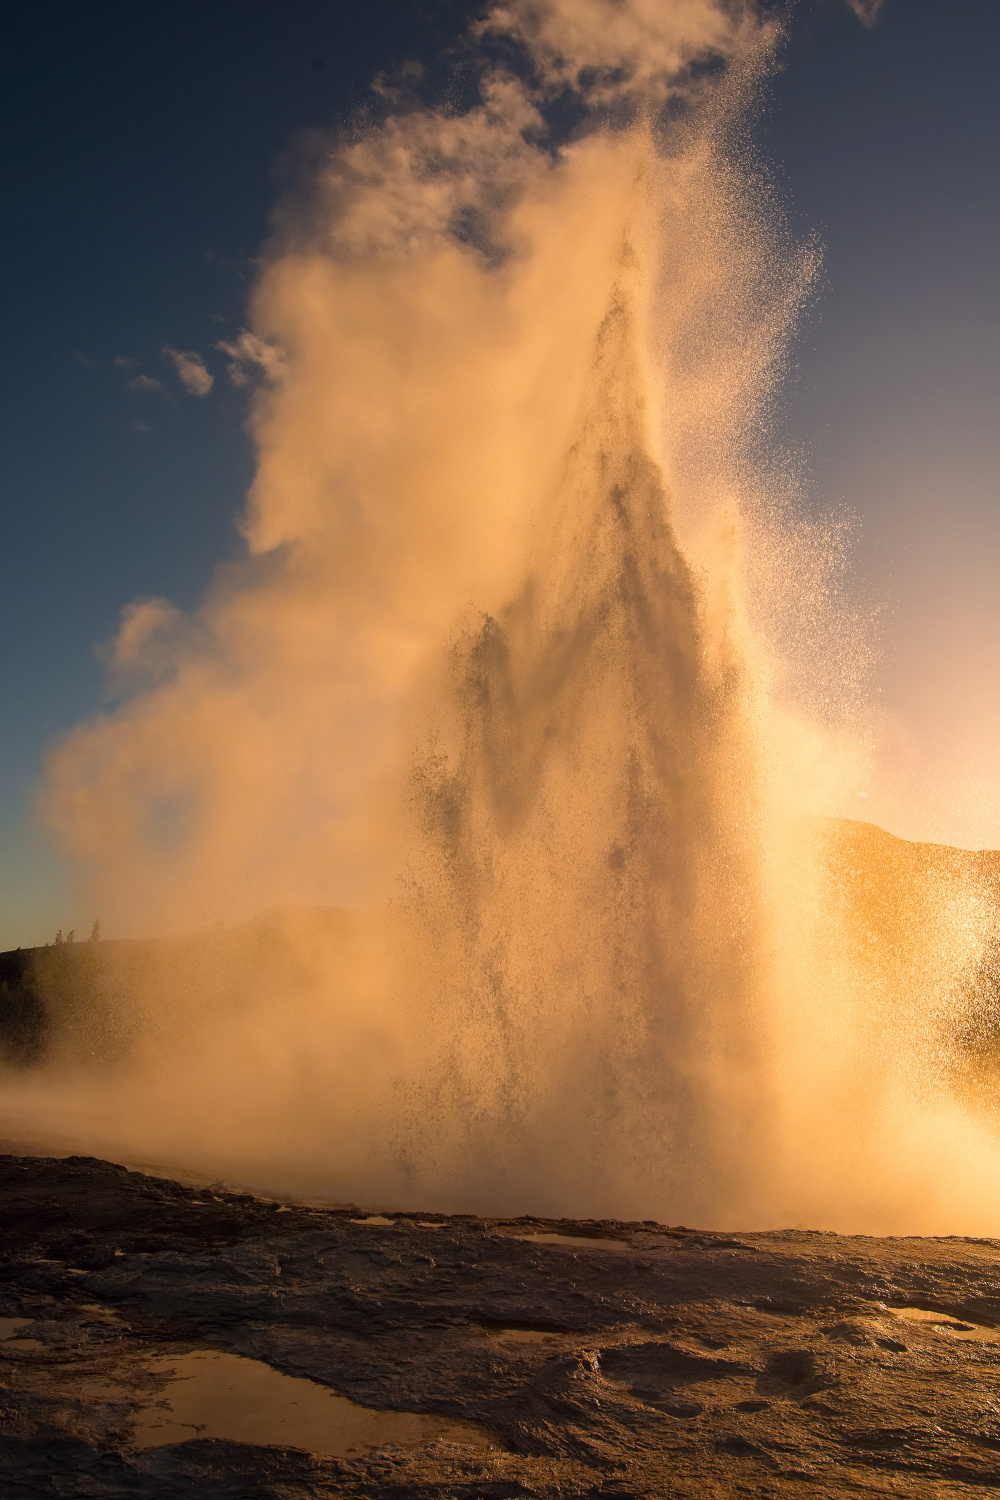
(590, 807)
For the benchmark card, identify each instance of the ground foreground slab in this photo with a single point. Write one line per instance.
(665, 1363)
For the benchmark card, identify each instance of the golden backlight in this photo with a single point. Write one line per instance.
(527, 719)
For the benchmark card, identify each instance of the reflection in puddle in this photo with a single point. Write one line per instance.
(215, 1395)
(573, 1242)
(942, 1323)
(523, 1335)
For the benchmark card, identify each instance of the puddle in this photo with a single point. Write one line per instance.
(523, 1335)
(374, 1219)
(12, 1340)
(943, 1323)
(574, 1242)
(216, 1395)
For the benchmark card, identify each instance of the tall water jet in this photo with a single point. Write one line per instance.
(590, 802)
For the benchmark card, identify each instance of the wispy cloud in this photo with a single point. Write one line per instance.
(866, 10)
(144, 383)
(250, 355)
(136, 380)
(191, 371)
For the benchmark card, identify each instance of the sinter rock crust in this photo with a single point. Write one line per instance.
(688, 1364)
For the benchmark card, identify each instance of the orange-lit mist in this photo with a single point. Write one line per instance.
(521, 718)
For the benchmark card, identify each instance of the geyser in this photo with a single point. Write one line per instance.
(515, 664)
(590, 893)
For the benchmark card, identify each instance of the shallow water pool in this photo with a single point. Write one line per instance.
(216, 1395)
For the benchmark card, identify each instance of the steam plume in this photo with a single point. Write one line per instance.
(514, 663)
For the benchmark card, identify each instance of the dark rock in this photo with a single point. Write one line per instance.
(661, 1369)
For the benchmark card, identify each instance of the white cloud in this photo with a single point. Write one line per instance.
(191, 370)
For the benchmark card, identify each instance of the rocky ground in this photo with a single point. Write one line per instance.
(675, 1364)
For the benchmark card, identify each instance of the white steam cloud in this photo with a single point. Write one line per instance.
(528, 659)
(641, 47)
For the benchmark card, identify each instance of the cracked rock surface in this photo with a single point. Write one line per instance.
(667, 1363)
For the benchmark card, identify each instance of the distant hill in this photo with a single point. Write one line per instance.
(92, 1002)
(89, 1000)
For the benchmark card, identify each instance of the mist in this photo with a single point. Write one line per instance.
(513, 755)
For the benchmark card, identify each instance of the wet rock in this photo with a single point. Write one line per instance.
(671, 1364)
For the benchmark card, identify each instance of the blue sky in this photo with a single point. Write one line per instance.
(143, 151)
